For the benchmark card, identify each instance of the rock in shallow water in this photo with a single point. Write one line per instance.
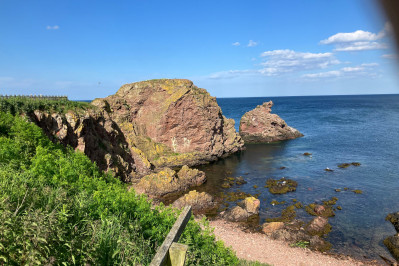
(260, 126)
(269, 228)
(200, 202)
(392, 243)
(167, 181)
(318, 226)
(394, 219)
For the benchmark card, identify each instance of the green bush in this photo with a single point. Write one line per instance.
(57, 207)
(26, 105)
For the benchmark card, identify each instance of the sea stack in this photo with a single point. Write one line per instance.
(260, 126)
(172, 122)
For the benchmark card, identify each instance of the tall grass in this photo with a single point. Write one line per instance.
(57, 207)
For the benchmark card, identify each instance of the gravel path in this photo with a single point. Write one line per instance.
(258, 247)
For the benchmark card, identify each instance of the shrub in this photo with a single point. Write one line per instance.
(57, 207)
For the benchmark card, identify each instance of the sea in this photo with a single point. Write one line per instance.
(337, 129)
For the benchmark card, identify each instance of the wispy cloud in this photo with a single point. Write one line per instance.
(279, 62)
(252, 43)
(236, 44)
(367, 69)
(359, 40)
(283, 61)
(390, 56)
(55, 27)
(230, 74)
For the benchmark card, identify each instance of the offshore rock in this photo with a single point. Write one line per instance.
(167, 181)
(200, 202)
(172, 122)
(260, 126)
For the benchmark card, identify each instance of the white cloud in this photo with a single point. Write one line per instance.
(390, 56)
(232, 74)
(360, 46)
(367, 69)
(328, 74)
(356, 36)
(252, 43)
(279, 62)
(55, 27)
(283, 61)
(236, 44)
(359, 40)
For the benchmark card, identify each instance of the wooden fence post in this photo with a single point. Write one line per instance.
(178, 252)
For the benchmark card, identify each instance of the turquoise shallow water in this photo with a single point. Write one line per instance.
(337, 129)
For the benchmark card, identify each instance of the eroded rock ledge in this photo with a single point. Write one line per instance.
(260, 126)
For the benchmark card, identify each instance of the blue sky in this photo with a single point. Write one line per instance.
(88, 49)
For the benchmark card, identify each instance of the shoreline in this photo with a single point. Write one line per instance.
(258, 247)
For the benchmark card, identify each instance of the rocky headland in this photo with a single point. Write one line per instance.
(261, 126)
(145, 129)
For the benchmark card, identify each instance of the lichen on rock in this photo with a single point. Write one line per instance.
(167, 181)
(260, 126)
(200, 202)
(281, 186)
(172, 122)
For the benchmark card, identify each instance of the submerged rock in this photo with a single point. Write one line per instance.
(394, 219)
(392, 243)
(319, 244)
(287, 215)
(281, 186)
(200, 202)
(167, 181)
(318, 226)
(325, 211)
(260, 126)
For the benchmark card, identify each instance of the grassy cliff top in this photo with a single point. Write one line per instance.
(19, 105)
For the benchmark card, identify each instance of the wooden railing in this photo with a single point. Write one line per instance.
(171, 252)
(38, 97)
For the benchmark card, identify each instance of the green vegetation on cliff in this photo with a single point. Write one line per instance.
(57, 207)
(19, 105)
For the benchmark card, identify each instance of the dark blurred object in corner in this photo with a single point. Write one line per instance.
(391, 8)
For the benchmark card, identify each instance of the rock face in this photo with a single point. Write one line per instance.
(172, 122)
(260, 126)
(167, 181)
(145, 127)
(200, 202)
(99, 137)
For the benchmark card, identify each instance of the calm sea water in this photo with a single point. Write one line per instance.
(337, 129)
